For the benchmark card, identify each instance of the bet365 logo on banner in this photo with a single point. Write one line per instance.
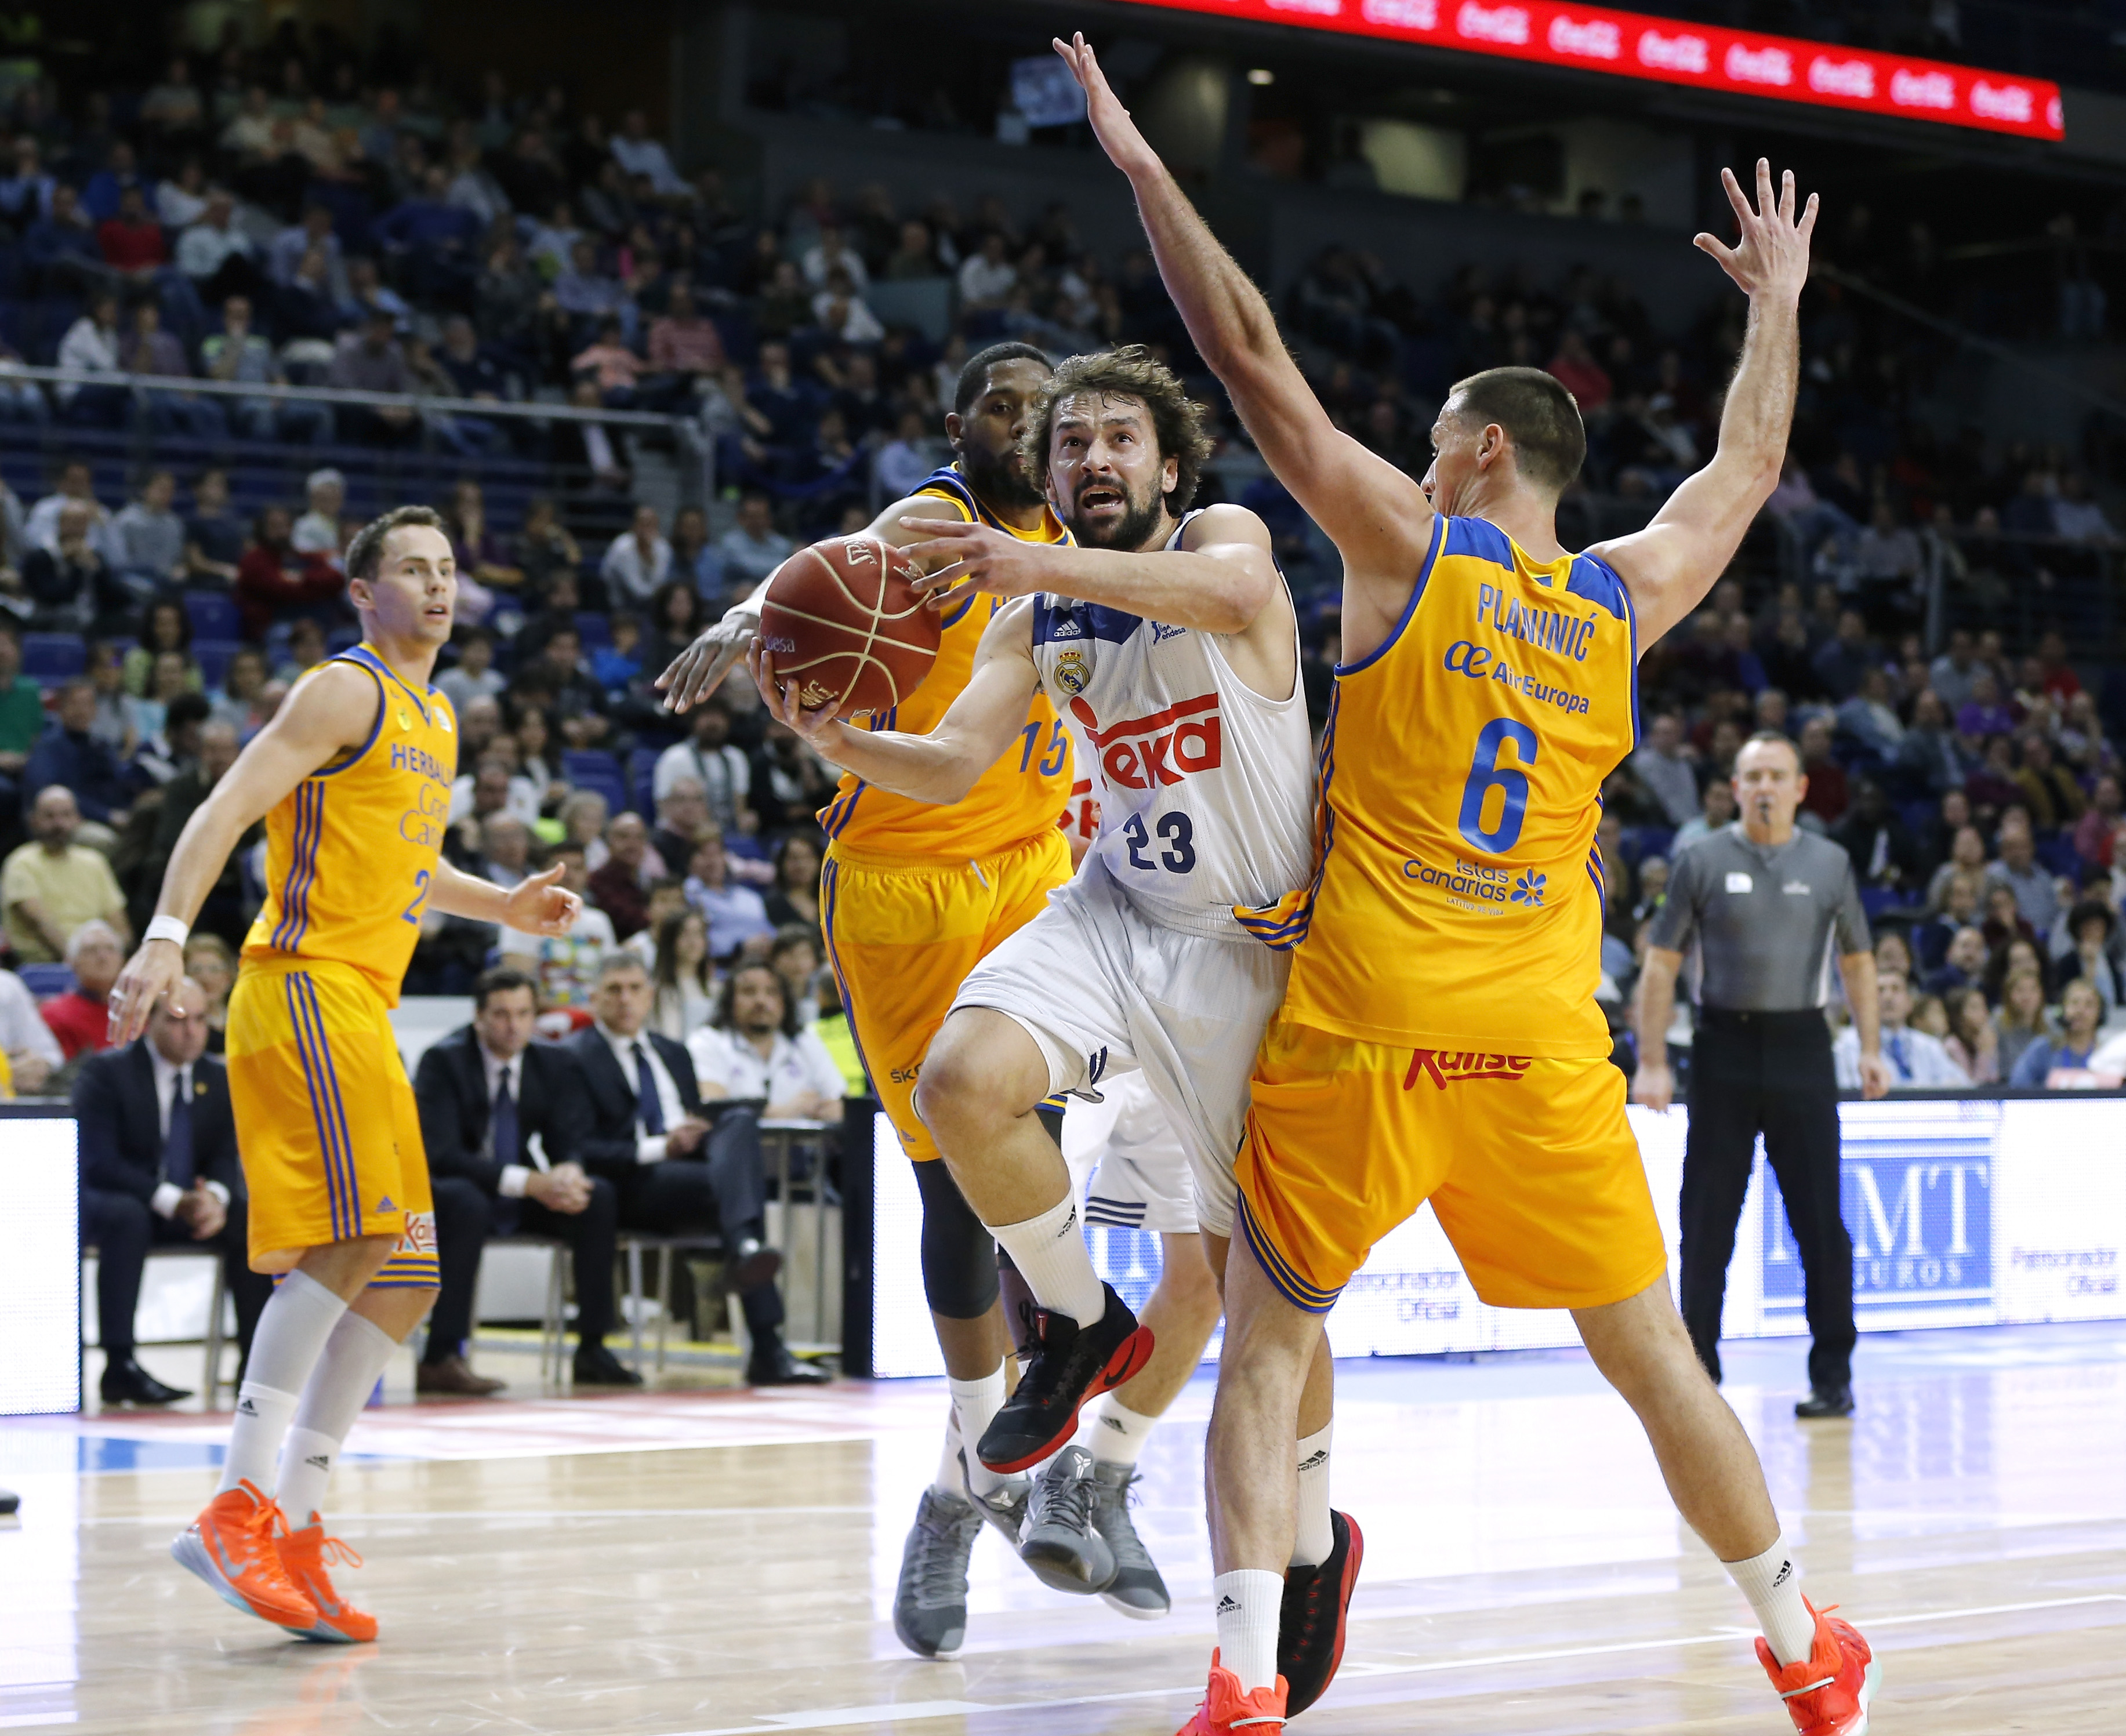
(1918, 1201)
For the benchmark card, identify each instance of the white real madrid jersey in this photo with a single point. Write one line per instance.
(1205, 787)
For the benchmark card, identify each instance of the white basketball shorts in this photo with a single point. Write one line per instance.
(1127, 1163)
(1104, 991)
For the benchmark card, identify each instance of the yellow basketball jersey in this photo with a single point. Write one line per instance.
(352, 851)
(1018, 798)
(1456, 898)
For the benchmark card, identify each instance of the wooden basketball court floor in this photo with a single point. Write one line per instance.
(694, 1562)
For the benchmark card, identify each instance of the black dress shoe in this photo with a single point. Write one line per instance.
(771, 1364)
(597, 1366)
(125, 1382)
(9, 1501)
(1826, 1401)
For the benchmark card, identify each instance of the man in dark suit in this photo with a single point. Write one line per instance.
(502, 1117)
(158, 1168)
(674, 1170)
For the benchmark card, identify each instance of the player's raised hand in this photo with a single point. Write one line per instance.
(958, 559)
(785, 705)
(696, 671)
(152, 972)
(539, 904)
(1771, 258)
(1111, 123)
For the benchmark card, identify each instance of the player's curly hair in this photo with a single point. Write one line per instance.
(364, 554)
(1131, 371)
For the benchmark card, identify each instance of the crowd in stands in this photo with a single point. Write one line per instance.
(257, 222)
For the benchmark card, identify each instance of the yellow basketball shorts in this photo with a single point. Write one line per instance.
(325, 1120)
(1529, 1164)
(902, 936)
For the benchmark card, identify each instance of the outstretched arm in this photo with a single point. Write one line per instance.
(1220, 581)
(943, 765)
(1670, 565)
(1377, 517)
(699, 670)
(333, 711)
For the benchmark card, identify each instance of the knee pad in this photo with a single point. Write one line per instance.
(959, 1254)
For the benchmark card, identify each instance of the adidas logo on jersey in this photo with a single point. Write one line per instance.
(1444, 1067)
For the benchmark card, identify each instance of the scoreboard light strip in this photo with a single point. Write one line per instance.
(1704, 57)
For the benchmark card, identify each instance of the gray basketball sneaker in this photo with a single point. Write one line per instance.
(930, 1604)
(1004, 1506)
(1136, 1589)
(1060, 1545)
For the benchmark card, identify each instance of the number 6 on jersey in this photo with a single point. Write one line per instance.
(1486, 775)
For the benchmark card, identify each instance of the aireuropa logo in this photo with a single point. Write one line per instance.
(1916, 1193)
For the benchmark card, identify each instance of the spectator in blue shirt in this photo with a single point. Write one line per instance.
(99, 198)
(436, 238)
(2081, 1009)
(61, 249)
(587, 296)
(26, 194)
(67, 755)
(734, 912)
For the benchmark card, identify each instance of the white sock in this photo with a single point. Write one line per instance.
(1315, 1540)
(1772, 1582)
(975, 1406)
(1051, 1255)
(1119, 1433)
(949, 1481)
(354, 1357)
(298, 1317)
(1247, 1604)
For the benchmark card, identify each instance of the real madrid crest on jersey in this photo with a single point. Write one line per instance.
(1073, 670)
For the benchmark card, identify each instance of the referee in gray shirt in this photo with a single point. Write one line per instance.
(1765, 903)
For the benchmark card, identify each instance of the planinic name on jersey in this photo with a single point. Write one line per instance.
(1150, 752)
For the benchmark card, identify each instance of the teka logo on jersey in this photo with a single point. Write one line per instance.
(1445, 1067)
(1147, 752)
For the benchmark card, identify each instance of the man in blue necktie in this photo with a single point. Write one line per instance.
(159, 1169)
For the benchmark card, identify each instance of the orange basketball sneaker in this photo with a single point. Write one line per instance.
(304, 1553)
(232, 1546)
(1226, 1710)
(1827, 1692)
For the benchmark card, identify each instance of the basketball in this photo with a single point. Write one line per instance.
(843, 619)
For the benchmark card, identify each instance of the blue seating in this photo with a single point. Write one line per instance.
(43, 981)
(594, 629)
(52, 657)
(592, 769)
(213, 615)
(642, 779)
(214, 656)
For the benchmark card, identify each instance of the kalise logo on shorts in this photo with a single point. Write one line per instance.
(1147, 752)
(1447, 1066)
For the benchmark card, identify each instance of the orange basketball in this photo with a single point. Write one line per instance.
(841, 618)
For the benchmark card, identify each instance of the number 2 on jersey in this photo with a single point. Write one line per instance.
(1180, 854)
(412, 914)
(1486, 775)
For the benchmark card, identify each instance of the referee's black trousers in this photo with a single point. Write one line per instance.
(1768, 1073)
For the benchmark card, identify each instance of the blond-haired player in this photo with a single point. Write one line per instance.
(1439, 1039)
(353, 778)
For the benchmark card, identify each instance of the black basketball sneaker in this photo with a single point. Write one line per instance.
(1313, 1619)
(1070, 1363)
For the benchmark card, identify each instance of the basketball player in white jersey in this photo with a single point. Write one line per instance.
(1168, 644)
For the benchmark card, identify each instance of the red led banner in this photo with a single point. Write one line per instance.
(1705, 57)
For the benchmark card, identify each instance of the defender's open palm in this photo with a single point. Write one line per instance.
(1111, 123)
(1772, 256)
